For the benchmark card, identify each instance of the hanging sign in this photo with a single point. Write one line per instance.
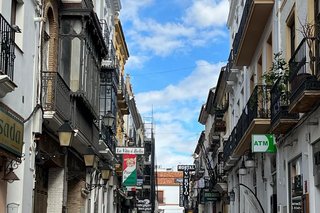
(130, 150)
(186, 167)
(11, 130)
(129, 170)
(263, 143)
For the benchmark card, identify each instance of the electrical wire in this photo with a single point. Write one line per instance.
(170, 70)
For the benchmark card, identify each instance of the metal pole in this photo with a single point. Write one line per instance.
(240, 184)
(153, 197)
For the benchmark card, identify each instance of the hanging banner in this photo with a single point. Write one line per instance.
(129, 173)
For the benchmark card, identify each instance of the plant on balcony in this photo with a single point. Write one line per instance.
(308, 32)
(279, 75)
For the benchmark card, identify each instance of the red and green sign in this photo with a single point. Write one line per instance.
(129, 166)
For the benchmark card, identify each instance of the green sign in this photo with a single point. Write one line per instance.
(263, 143)
(211, 195)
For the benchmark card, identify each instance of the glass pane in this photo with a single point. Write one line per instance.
(75, 64)
(77, 26)
(65, 59)
(65, 27)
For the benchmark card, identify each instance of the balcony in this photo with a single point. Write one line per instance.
(123, 97)
(255, 119)
(220, 126)
(106, 137)
(281, 119)
(254, 19)
(305, 88)
(56, 98)
(111, 62)
(7, 57)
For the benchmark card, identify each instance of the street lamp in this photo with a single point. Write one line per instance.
(89, 157)
(232, 195)
(10, 176)
(242, 169)
(249, 163)
(106, 173)
(65, 133)
(108, 119)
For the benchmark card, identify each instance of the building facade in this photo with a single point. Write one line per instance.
(270, 85)
(19, 101)
(168, 191)
(62, 67)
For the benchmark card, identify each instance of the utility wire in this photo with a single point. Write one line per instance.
(170, 70)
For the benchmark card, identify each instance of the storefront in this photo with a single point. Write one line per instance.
(11, 142)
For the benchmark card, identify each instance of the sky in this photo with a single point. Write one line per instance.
(177, 49)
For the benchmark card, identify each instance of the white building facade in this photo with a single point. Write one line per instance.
(268, 37)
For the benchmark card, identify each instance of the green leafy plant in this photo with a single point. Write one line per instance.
(279, 74)
(279, 69)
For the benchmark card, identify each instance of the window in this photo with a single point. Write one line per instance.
(291, 33)
(160, 197)
(14, 4)
(295, 184)
(79, 59)
(16, 20)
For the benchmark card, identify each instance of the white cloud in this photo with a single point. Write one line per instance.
(174, 109)
(200, 26)
(136, 61)
(131, 8)
(207, 13)
(192, 88)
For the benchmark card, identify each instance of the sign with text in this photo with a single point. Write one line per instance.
(144, 205)
(129, 150)
(178, 180)
(211, 195)
(263, 143)
(186, 167)
(11, 131)
(181, 197)
(186, 183)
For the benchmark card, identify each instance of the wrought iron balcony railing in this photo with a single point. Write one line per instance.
(280, 102)
(106, 136)
(105, 31)
(258, 107)
(123, 96)
(7, 55)
(55, 94)
(111, 62)
(239, 34)
(302, 69)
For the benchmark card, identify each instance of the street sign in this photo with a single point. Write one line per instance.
(186, 167)
(211, 195)
(143, 205)
(181, 197)
(263, 143)
(178, 180)
(129, 150)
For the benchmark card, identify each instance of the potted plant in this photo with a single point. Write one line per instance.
(277, 78)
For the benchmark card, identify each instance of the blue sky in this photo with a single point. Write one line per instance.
(177, 49)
